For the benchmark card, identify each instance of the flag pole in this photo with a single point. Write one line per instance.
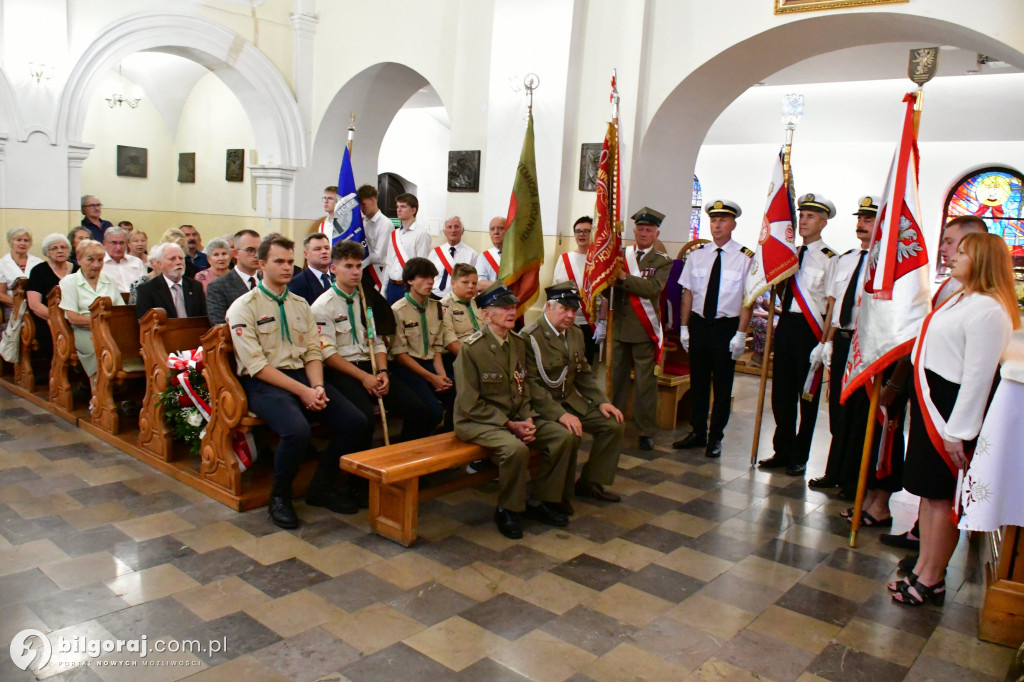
(616, 225)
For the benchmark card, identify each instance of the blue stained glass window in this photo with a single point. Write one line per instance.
(695, 203)
(994, 195)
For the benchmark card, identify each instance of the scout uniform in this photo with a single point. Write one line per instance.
(461, 318)
(493, 389)
(420, 334)
(637, 338)
(562, 382)
(341, 321)
(714, 276)
(800, 329)
(280, 332)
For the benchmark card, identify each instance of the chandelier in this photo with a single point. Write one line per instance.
(117, 99)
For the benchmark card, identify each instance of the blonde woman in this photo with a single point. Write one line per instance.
(138, 245)
(15, 265)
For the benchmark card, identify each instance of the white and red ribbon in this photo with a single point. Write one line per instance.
(643, 307)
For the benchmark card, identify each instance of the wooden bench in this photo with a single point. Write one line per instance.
(159, 336)
(24, 375)
(115, 336)
(394, 473)
(65, 357)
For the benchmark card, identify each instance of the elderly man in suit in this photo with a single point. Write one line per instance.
(223, 291)
(563, 389)
(172, 291)
(316, 277)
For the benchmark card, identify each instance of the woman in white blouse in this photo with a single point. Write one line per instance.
(956, 359)
(15, 265)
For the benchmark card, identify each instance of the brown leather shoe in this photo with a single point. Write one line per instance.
(596, 491)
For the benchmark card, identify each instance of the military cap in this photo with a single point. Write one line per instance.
(868, 205)
(816, 202)
(723, 207)
(497, 294)
(565, 293)
(648, 216)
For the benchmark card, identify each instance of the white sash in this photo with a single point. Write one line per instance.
(643, 307)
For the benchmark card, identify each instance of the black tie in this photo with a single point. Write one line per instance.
(326, 279)
(787, 298)
(252, 283)
(639, 257)
(444, 270)
(850, 297)
(711, 296)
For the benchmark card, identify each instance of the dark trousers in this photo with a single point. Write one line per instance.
(394, 292)
(843, 420)
(589, 347)
(401, 401)
(793, 344)
(433, 402)
(711, 364)
(284, 413)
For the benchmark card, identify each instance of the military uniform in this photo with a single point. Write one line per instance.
(281, 333)
(420, 333)
(632, 345)
(562, 382)
(341, 321)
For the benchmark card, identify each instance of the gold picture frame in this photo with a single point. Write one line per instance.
(784, 6)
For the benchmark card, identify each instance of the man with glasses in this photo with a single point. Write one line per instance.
(91, 209)
(569, 268)
(121, 267)
(223, 291)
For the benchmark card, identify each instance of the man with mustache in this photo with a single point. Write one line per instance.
(180, 296)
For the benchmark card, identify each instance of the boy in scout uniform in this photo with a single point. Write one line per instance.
(800, 329)
(418, 341)
(341, 319)
(637, 338)
(461, 314)
(712, 312)
(493, 409)
(564, 389)
(277, 351)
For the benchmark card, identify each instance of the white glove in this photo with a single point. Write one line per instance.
(600, 331)
(738, 345)
(684, 338)
(816, 354)
(826, 354)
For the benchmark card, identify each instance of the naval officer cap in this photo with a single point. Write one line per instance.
(565, 293)
(648, 216)
(496, 295)
(816, 202)
(868, 205)
(723, 207)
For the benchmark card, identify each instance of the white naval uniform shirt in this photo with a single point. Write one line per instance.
(483, 266)
(842, 272)
(814, 275)
(696, 276)
(378, 237)
(463, 254)
(415, 244)
(579, 262)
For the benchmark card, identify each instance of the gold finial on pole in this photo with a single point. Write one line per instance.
(531, 82)
(351, 131)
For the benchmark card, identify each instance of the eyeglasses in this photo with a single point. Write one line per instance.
(250, 250)
(94, 205)
(581, 231)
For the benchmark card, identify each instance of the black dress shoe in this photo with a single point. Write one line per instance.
(333, 500)
(545, 514)
(775, 462)
(901, 540)
(822, 482)
(646, 443)
(563, 507)
(508, 523)
(596, 491)
(692, 440)
(796, 470)
(281, 513)
(714, 449)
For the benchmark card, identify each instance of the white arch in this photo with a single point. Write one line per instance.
(10, 113)
(251, 76)
(677, 129)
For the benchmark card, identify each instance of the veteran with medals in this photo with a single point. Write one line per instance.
(494, 409)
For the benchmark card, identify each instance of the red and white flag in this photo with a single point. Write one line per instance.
(775, 257)
(896, 298)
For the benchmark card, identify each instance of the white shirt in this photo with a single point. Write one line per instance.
(696, 277)
(415, 244)
(579, 262)
(841, 274)
(945, 290)
(964, 343)
(10, 272)
(378, 231)
(463, 254)
(124, 273)
(483, 266)
(245, 277)
(814, 275)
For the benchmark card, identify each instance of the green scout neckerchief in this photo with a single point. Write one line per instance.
(423, 322)
(351, 314)
(285, 332)
(469, 309)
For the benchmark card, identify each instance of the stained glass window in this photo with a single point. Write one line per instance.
(994, 195)
(695, 203)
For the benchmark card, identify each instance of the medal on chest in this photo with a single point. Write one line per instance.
(519, 376)
(579, 362)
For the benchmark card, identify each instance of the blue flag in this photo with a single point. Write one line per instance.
(348, 219)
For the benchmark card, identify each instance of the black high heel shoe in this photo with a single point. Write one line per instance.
(894, 586)
(919, 593)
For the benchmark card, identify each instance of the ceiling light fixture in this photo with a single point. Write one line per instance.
(116, 99)
(40, 72)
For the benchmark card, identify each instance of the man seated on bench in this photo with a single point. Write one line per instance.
(341, 318)
(418, 341)
(493, 409)
(180, 296)
(277, 351)
(564, 389)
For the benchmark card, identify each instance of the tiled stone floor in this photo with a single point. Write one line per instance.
(707, 570)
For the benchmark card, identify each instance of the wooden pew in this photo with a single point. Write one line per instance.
(159, 336)
(23, 374)
(65, 357)
(395, 472)
(115, 336)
